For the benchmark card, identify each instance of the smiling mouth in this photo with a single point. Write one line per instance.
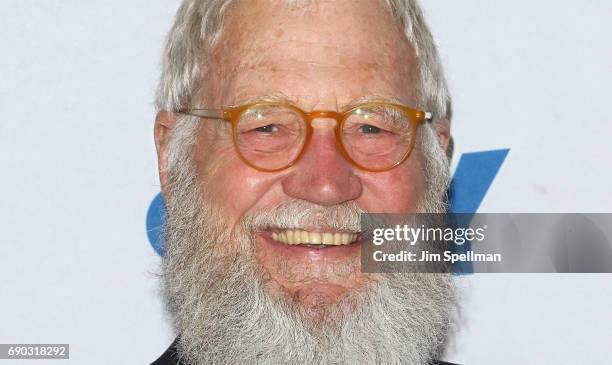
(312, 239)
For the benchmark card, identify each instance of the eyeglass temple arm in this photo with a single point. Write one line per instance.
(204, 113)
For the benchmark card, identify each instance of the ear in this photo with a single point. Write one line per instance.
(446, 140)
(164, 123)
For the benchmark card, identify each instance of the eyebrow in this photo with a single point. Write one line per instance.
(272, 97)
(371, 99)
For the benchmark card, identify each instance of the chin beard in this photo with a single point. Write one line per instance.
(224, 313)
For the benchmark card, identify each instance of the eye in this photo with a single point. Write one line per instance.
(267, 128)
(369, 129)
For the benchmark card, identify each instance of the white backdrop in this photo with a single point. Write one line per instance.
(78, 171)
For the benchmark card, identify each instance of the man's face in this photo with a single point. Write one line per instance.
(237, 293)
(324, 56)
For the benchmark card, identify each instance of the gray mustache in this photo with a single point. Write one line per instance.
(299, 213)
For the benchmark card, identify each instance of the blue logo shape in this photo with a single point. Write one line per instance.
(156, 216)
(474, 175)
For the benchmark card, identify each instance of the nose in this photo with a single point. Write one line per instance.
(323, 175)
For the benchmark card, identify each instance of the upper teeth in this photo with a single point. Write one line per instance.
(296, 237)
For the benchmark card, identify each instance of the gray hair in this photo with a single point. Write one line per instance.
(198, 26)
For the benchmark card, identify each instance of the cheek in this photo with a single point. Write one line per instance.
(229, 182)
(395, 191)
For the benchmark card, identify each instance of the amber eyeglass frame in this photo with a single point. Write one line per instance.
(233, 114)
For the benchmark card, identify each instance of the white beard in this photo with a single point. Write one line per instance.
(224, 314)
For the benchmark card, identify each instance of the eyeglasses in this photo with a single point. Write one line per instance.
(272, 136)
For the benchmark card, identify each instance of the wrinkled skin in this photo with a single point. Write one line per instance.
(323, 56)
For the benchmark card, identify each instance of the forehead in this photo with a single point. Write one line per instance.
(312, 51)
